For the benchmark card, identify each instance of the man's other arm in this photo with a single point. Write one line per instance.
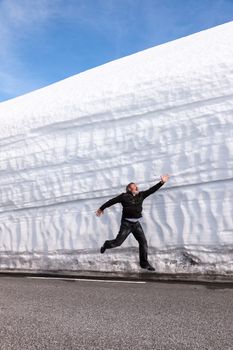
(107, 204)
(110, 202)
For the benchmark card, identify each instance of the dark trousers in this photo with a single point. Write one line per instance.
(126, 228)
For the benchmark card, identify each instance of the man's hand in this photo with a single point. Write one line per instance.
(164, 178)
(99, 212)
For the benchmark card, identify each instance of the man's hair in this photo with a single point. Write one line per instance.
(131, 183)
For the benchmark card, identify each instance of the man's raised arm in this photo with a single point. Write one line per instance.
(107, 204)
(154, 188)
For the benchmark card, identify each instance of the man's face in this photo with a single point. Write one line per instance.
(133, 188)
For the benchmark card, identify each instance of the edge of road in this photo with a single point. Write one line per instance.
(130, 276)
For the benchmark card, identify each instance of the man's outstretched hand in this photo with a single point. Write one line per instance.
(99, 212)
(164, 178)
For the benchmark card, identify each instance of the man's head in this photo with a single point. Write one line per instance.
(132, 187)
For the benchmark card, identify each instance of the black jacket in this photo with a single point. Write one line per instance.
(132, 205)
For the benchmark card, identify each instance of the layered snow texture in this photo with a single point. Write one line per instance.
(69, 147)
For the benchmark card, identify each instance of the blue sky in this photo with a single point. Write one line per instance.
(43, 41)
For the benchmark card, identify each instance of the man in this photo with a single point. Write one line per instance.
(131, 201)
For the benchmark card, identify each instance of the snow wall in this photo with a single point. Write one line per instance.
(69, 147)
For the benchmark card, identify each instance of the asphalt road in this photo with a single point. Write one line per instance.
(55, 314)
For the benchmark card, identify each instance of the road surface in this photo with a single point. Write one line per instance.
(63, 314)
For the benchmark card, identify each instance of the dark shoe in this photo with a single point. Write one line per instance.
(148, 267)
(102, 249)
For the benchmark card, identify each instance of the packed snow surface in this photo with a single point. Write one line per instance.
(69, 147)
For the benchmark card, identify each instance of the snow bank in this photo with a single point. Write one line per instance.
(67, 148)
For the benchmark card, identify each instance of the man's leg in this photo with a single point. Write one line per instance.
(138, 233)
(124, 231)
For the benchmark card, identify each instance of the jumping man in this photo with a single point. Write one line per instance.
(131, 201)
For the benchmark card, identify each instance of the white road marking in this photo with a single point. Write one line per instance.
(83, 279)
